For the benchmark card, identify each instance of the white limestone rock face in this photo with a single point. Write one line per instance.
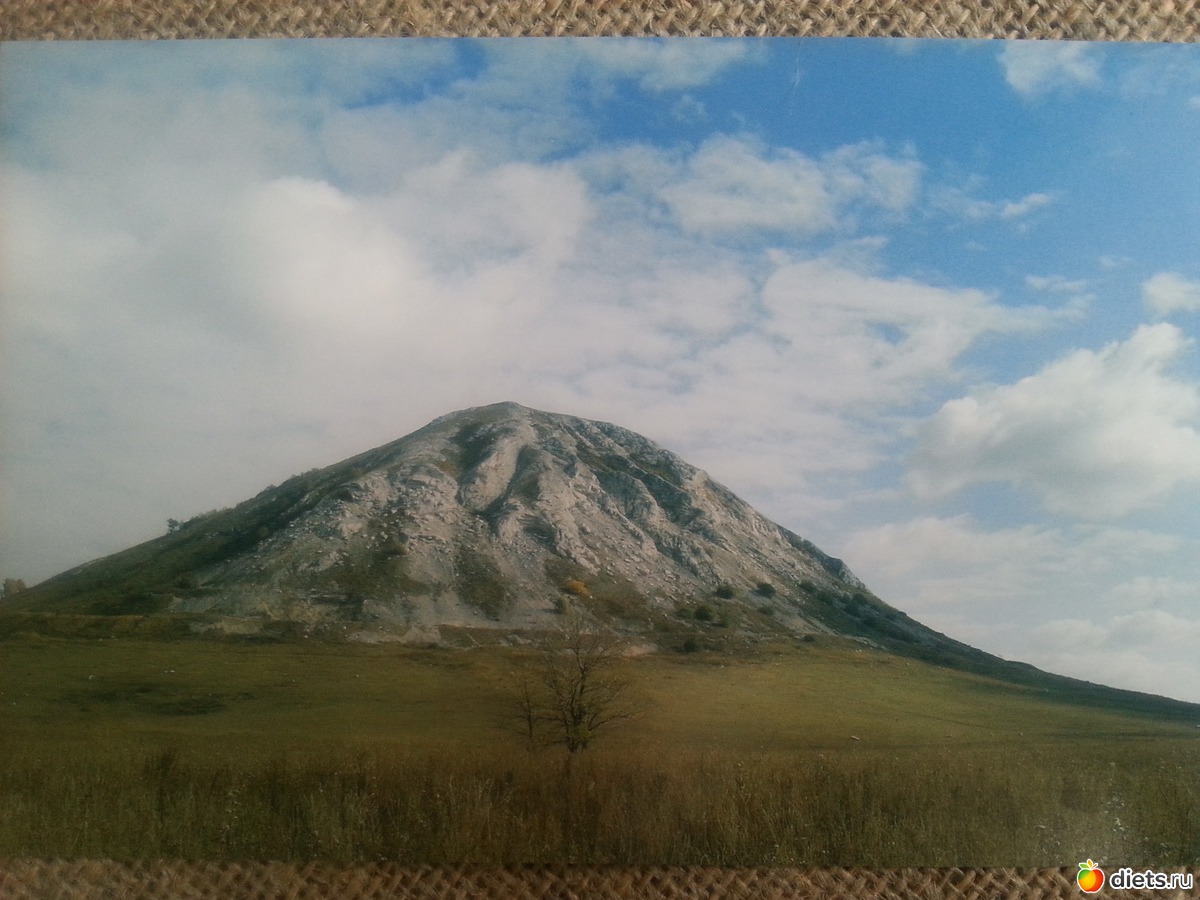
(489, 519)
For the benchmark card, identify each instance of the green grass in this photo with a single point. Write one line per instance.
(818, 755)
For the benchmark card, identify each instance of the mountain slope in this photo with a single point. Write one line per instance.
(480, 527)
(489, 518)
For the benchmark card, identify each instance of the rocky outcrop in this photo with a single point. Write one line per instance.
(489, 519)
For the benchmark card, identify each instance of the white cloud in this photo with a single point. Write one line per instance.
(1056, 284)
(661, 65)
(732, 186)
(862, 338)
(1148, 650)
(931, 564)
(942, 563)
(1075, 291)
(345, 316)
(958, 201)
(690, 110)
(201, 265)
(1168, 292)
(1017, 208)
(1144, 591)
(1035, 67)
(1124, 600)
(793, 393)
(1095, 434)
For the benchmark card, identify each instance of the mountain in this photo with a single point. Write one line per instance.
(484, 523)
(482, 527)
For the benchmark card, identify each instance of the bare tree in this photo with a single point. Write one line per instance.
(575, 688)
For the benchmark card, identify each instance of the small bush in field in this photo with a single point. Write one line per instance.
(725, 592)
(704, 613)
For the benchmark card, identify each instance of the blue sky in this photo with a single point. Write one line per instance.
(931, 304)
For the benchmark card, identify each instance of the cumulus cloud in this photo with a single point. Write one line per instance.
(281, 302)
(216, 259)
(1148, 650)
(1027, 204)
(1035, 67)
(938, 563)
(786, 386)
(1145, 591)
(933, 567)
(1095, 434)
(1131, 593)
(960, 202)
(887, 337)
(662, 65)
(1076, 292)
(732, 185)
(1168, 292)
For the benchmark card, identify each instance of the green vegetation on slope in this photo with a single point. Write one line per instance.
(143, 578)
(819, 755)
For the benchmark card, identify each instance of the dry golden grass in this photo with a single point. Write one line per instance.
(815, 756)
(949, 808)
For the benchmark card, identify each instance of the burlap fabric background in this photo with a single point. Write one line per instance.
(1146, 20)
(1161, 20)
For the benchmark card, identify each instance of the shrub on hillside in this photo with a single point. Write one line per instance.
(576, 587)
(12, 586)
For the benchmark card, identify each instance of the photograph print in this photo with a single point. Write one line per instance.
(615, 451)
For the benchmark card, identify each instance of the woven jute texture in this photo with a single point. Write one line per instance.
(41, 880)
(1149, 20)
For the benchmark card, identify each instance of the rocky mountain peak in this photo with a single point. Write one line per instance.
(486, 522)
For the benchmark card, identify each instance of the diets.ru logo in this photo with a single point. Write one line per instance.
(1090, 877)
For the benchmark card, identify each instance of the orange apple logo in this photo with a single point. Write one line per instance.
(1090, 877)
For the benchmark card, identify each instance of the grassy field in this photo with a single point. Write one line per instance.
(812, 755)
